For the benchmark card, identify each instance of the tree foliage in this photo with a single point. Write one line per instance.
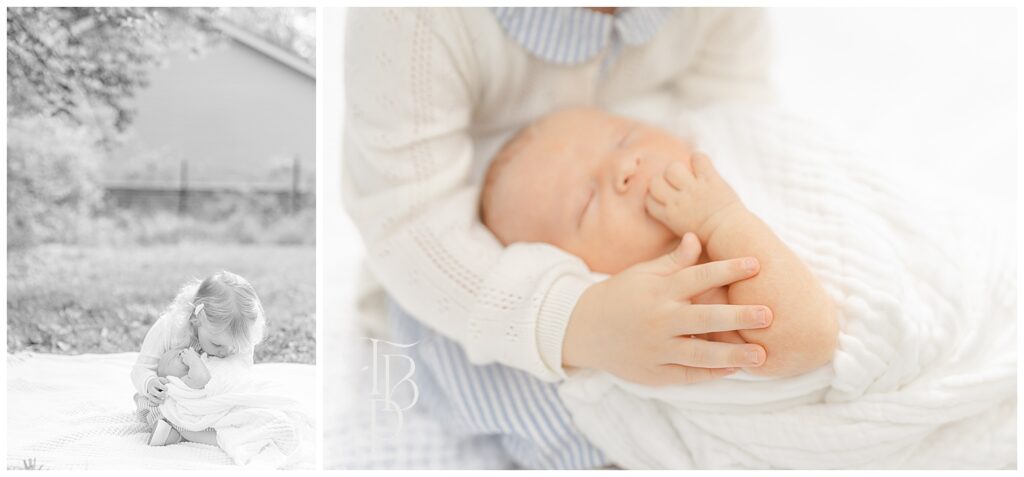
(51, 180)
(84, 63)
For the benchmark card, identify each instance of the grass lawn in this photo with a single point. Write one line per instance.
(71, 299)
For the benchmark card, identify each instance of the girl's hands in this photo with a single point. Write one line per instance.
(156, 390)
(636, 325)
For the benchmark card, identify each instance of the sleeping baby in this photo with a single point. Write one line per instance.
(922, 373)
(616, 192)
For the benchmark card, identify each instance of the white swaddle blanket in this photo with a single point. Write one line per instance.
(925, 372)
(255, 425)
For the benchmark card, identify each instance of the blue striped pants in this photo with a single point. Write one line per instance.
(493, 401)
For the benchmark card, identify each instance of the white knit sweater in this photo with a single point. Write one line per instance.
(432, 94)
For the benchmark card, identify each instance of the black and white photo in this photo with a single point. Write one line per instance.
(161, 230)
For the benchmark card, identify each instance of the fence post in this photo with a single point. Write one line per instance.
(183, 188)
(295, 184)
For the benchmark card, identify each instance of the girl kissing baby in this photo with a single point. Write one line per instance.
(219, 316)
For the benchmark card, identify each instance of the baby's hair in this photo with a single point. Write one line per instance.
(509, 151)
(225, 301)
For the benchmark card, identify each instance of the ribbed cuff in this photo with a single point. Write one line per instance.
(145, 384)
(553, 319)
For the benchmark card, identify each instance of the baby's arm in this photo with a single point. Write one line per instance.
(198, 374)
(804, 328)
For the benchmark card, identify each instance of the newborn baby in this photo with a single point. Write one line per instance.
(185, 364)
(616, 192)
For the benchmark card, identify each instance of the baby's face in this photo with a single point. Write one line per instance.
(171, 364)
(579, 183)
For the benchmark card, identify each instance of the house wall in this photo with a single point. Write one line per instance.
(236, 115)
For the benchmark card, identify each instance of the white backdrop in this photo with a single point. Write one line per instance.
(936, 87)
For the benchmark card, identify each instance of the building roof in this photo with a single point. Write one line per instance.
(267, 48)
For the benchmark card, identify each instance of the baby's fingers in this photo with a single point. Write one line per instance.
(702, 166)
(655, 208)
(660, 190)
(678, 175)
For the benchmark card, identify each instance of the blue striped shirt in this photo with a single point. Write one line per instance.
(575, 35)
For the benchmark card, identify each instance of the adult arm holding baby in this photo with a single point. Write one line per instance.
(695, 199)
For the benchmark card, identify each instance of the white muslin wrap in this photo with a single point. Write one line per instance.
(255, 425)
(925, 372)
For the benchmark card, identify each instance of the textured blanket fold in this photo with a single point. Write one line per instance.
(255, 425)
(925, 373)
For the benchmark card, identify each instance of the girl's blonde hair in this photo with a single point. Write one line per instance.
(227, 303)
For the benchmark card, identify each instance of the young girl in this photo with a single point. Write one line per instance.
(219, 316)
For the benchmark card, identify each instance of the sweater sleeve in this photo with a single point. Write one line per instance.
(733, 61)
(156, 343)
(408, 157)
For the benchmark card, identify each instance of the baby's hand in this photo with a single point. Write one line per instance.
(190, 357)
(691, 201)
(198, 374)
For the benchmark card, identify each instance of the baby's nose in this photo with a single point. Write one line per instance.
(625, 171)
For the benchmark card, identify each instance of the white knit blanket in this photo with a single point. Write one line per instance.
(256, 425)
(925, 373)
(76, 412)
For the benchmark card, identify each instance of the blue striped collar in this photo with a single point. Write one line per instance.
(574, 35)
